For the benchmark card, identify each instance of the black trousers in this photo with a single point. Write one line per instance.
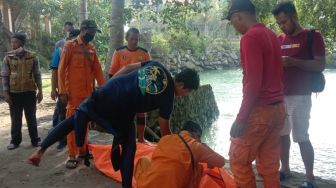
(23, 102)
(58, 116)
(124, 135)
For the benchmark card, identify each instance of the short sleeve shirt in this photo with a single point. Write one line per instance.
(297, 81)
(148, 88)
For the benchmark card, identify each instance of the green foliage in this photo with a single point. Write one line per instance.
(160, 44)
(188, 25)
(99, 10)
(187, 41)
(319, 14)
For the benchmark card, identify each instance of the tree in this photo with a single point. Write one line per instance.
(83, 10)
(116, 29)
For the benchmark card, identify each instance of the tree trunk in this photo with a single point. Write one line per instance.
(5, 35)
(5, 14)
(116, 30)
(83, 10)
(47, 25)
(15, 10)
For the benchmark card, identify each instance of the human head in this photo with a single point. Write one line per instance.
(88, 29)
(241, 13)
(194, 129)
(73, 34)
(18, 40)
(286, 17)
(132, 38)
(68, 26)
(186, 81)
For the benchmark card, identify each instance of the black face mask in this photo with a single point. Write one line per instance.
(88, 37)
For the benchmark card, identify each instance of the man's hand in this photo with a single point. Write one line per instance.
(164, 126)
(8, 99)
(237, 129)
(54, 95)
(63, 98)
(288, 61)
(39, 96)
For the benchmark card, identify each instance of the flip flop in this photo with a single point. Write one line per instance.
(71, 164)
(307, 184)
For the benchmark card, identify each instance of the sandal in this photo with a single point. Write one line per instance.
(307, 184)
(71, 164)
(284, 176)
(85, 158)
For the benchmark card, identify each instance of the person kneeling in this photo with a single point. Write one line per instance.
(175, 161)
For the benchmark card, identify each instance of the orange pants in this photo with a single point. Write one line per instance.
(71, 139)
(260, 142)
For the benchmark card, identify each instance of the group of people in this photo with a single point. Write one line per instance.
(277, 88)
(277, 76)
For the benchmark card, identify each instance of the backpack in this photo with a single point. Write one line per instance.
(317, 78)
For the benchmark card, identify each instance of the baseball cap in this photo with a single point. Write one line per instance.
(240, 6)
(20, 36)
(89, 24)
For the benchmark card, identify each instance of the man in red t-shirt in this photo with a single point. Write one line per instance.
(298, 66)
(256, 130)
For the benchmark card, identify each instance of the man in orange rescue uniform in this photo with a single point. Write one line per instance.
(255, 134)
(129, 54)
(79, 68)
(175, 161)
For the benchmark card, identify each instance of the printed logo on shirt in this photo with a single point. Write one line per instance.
(141, 58)
(290, 46)
(152, 80)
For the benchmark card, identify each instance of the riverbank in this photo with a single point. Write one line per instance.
(15, 172)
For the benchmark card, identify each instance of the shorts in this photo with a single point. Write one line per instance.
(298, 114)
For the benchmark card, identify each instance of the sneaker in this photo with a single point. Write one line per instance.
(12, 146)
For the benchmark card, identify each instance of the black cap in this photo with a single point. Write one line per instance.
(240, 6)
(89, 24)
(21, 36)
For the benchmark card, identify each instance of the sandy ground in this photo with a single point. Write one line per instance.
(16, 173)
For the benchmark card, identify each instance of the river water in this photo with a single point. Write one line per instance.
(227, 88)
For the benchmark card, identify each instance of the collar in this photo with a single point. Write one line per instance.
(80, 40)
(137, 48)
(257, 25)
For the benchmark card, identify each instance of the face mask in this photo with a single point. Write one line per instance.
(88, 37)
(18, 50)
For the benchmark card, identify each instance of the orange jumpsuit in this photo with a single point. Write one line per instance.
(79, 68)
(171, 163)
(123, 56)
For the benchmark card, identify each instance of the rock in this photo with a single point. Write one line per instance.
(200, 106)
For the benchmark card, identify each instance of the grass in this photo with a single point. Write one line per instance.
(46, 85)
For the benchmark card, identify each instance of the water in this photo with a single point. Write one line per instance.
(227, 87)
